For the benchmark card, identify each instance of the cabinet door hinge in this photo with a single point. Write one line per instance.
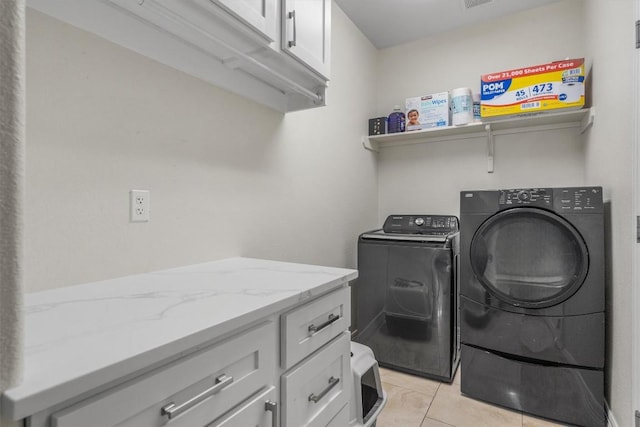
(638, 34)
(638, 241)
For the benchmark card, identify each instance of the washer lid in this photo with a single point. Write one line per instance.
(381, 235)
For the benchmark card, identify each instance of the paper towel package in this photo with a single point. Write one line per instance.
(540, 88)
(428, 111)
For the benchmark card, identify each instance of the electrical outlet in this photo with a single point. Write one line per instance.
(139, 205)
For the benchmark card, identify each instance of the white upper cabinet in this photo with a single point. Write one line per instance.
(249, 47)
(307, 33)
(260, 15)
(218, 31)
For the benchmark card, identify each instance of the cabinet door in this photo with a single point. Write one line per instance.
(260, 15)
(306, 33)
(223, 29)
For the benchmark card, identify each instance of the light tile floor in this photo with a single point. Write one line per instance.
(418, 402)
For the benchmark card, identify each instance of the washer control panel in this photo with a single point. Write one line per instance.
(421, 224)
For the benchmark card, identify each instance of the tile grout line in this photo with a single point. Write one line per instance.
(426, 415)
(430, 403)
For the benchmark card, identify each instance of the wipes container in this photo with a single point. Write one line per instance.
(461, 106)
(431, 111)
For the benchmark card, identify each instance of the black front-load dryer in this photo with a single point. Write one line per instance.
(532, 301)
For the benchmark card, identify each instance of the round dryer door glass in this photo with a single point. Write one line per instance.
(529, 257)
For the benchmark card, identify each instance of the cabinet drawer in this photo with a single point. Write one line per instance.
(201, 387)
(316, 390)
(254, 413)
(309, 327)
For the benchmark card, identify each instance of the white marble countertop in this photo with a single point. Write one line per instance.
(80, 338)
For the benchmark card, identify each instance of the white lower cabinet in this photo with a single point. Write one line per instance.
(241, 381)
(307, 328)
(191, 392)
(342, 419)
(261, 411)
(317, 389)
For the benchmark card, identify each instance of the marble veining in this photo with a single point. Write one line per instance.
(80, 337)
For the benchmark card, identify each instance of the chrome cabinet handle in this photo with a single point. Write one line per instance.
(313, 329)
(292, 16)
(172, 410)
(332, 383)
(273, 408)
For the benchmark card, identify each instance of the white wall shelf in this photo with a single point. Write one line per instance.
(579, 119)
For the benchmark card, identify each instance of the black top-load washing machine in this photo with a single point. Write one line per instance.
(532, 301)
(405, 297)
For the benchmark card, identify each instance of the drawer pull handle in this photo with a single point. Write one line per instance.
(273, 408)
(332, 383)
(172, 410)
(315, 329)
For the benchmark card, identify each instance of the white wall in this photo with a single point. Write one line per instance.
(227, 176)
(609, 159)
(429, 177)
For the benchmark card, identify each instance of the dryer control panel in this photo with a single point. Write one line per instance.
(569, 199)
(421, 224)
(542, 197)
(578, 199)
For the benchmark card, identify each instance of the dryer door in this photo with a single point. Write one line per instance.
(529, 257)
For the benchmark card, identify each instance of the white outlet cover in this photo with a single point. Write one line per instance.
(139, 205)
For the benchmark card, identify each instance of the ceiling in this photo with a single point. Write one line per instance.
(388, 23)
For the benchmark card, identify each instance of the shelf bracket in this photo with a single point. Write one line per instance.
(369, 145)
(490, 148)
(587, 120)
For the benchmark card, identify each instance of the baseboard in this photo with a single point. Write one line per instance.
(611, 420)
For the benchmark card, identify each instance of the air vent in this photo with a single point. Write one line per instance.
(473, 3)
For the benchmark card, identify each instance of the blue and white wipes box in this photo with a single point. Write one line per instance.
(428, 111)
